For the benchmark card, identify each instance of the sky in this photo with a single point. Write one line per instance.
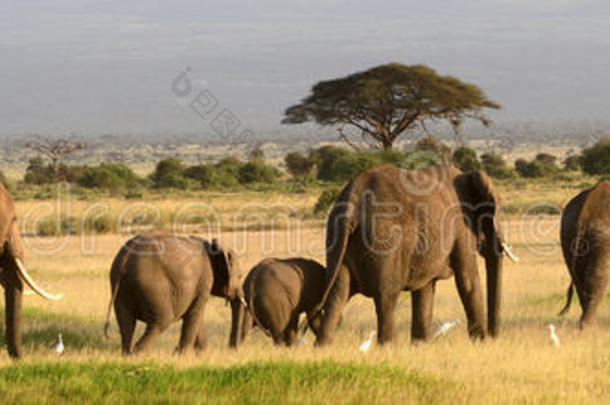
(99, 67)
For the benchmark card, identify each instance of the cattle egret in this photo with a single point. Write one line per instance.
(366, 345)
(444, 327)
(508, 250)
(59, 347)
(553, 336)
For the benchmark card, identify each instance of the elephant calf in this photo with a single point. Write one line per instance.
(159, 278)
(277, 291)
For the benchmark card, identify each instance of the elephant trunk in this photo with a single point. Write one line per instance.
(494, 268)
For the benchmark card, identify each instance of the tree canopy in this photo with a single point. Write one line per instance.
(388, 100)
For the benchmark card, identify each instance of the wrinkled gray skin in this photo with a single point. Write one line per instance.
(11, 275)
(392, 230)
(277, 292)
(585, 241)
(159, 278)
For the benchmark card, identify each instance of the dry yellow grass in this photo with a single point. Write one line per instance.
(520, 366)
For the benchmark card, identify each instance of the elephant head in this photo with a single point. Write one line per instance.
(481, 208)
(228, 281)
(13, 273)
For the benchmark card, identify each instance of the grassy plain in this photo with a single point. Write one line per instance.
(520, 366)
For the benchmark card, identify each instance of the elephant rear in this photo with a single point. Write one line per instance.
(585, 242)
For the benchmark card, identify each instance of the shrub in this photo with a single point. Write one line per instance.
(109, 176)
(200, 173)
(542, 166)
(325, 159)
(495, 165)
(257, 171)
(326, 200)
(596, 159)
(465, 159)
(98, 223)
(438, 149)
(572, 163)
(169, 173)
(37, 172)
(298, 165)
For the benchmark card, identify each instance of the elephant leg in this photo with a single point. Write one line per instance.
(591, 289)
(422, 307)
(292, 331)
(192, 325)
(127, 324)
(468, 283)
(201, 341)
(333, 310)
(385, 303)
(247, 325)
(150, 334)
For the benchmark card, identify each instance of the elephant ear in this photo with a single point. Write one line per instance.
(483, 205)
(221, 266)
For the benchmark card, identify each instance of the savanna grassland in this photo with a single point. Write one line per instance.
(520, 366)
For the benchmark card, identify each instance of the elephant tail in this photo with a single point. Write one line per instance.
(569, 294)
(339, 227)
(117, 266)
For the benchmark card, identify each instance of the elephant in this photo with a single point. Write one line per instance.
(13, 273)
(585, 243)
(393, 230)
(159, 278)
(276, 292)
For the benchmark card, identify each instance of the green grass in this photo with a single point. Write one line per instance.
(252, 383)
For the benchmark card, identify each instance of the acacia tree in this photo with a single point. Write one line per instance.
(55, 149)
(389, 100)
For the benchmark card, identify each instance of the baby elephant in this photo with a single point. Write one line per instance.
(277, 291)
(159, 278)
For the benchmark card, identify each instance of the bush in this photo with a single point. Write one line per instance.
(200, 173)
(495, 165)
(109, 176)
(325, 159)
(439, 150)
(596, 159)
(572, 163)
(169, 173)
(257, 171)
(542, 166)
(298, 165)
(465, 159)
(37, 172)
(326, 200)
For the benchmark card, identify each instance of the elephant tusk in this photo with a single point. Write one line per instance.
(508, 251)
(243, 301)
(28, 280)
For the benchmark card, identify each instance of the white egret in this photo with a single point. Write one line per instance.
(366, 345)
(59, 347)
(444, 327)
(553, 336)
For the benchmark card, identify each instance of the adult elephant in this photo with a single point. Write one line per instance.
(159, 278)
(393, 229)
(13, 273)
(585, 242)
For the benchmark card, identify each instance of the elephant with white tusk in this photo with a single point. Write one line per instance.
(394, 230)
(13, 273)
